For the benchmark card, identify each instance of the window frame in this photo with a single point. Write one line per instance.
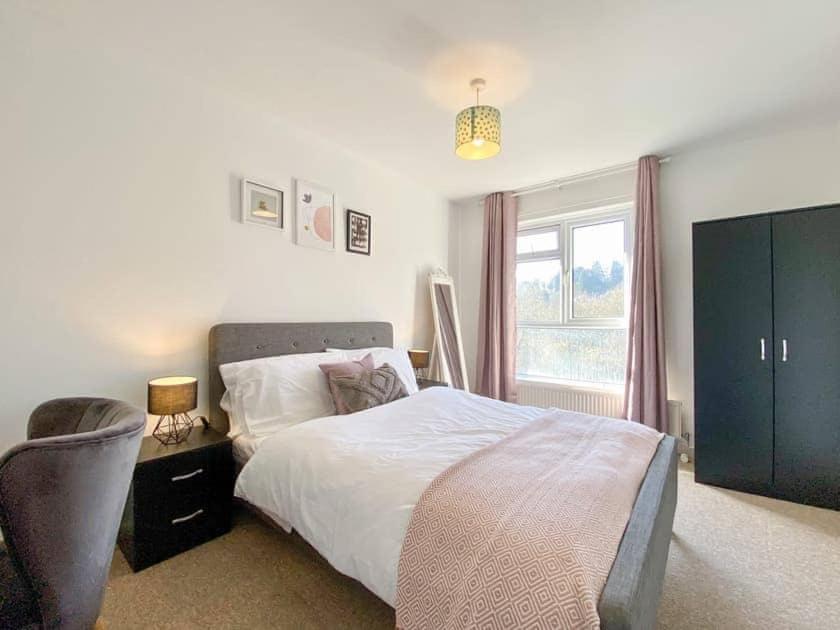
(549, 254)
(564, 226)
(568, 286)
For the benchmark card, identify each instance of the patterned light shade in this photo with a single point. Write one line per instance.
(478, 132)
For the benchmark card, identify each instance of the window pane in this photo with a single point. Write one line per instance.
(594, 355)
(539, 291)
(598, 270)
(535, 243)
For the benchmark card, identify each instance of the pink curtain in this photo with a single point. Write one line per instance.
(645, 387)
(496, 362)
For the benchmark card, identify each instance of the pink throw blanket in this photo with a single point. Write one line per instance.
(524, 533)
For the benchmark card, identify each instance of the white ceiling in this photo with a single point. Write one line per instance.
(581, 85)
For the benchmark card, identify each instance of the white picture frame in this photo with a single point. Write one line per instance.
(263, 204)
(314, 216)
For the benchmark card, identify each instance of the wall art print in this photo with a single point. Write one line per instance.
(314, 216)
(358, 228)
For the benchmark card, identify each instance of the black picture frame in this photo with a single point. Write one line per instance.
(354, 219)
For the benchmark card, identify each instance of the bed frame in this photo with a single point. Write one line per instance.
(630, 598)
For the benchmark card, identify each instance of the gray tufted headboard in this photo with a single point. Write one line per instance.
(240, 342)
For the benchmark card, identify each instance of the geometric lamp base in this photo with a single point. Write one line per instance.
(173, 429)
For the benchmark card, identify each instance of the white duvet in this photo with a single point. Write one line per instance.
(348, 484)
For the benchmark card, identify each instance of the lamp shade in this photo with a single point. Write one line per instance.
(172, 394)
(419, 359)
(478, 132)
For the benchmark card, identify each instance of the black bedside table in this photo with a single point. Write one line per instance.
(423, 383)
(180, 497)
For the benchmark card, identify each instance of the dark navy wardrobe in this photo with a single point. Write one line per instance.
(767, 354)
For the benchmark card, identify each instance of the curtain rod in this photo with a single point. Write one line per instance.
(580, 177)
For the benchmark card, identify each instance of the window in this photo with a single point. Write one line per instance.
(572, 297)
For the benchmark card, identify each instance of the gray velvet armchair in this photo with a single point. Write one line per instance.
(62, 494)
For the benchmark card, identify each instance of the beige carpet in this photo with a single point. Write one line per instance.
(737, 561)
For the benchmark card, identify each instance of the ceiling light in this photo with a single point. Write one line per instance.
(478, 129)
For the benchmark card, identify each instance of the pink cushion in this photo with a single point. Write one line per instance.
(345, 368)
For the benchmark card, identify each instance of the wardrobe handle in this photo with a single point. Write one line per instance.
(784, 351)
(763, 350)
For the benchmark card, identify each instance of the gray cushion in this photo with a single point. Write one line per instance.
(345, 368)
(366, 389)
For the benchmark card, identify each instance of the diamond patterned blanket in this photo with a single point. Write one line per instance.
(523, 533)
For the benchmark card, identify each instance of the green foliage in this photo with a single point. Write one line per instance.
(596, 280)
(594, 355)
(580, 354)
(597, 294)
(608, 304)
(535, 301)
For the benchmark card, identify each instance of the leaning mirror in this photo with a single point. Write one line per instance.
(448, 349)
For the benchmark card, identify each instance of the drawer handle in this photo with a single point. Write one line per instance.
(197, 471)
(184, 519)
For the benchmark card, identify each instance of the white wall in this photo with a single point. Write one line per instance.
(121, 242)
(795, 168)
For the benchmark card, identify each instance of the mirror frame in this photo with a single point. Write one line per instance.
(440, 277)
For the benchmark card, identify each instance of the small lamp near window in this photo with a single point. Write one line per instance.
(419, 361)
(171, 398)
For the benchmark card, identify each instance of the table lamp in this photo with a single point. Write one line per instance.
(171, 398)
(419, 361)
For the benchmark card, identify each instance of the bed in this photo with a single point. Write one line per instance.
(632, 590)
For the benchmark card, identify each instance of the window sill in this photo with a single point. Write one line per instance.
(545, 381)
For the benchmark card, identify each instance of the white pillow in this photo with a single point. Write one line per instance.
(237, 426)
(265, 395)
(397, 358)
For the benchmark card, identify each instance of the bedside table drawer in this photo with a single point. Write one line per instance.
(184, 475)
(161, 535)
(187, 527)
(172, 512)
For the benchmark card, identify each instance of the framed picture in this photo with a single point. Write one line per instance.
(358, 232)
(314, 216)
(262, 204)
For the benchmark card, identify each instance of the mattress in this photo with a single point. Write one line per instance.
(348, 484)
(244, 447)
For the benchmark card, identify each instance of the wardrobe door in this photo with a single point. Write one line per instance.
(806, 262)
(733, 354)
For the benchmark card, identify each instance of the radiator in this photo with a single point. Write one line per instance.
(592, 401)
